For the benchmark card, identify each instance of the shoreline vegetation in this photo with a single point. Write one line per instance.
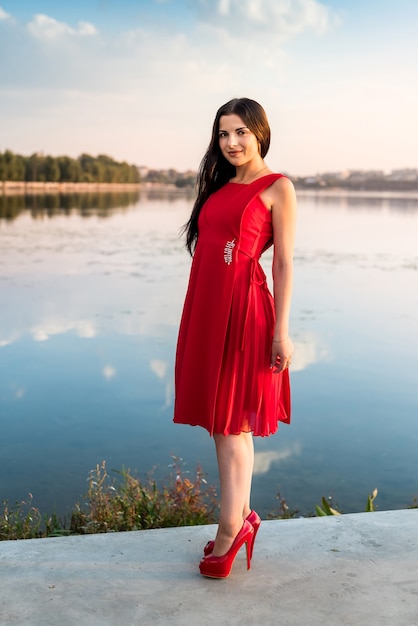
(14, 188)
(125, 503)
(86, 173)
(10, 187)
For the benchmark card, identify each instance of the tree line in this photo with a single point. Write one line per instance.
(170, 177)
(64, 169)
(98, 203)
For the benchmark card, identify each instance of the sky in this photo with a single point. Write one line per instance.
(141, 80)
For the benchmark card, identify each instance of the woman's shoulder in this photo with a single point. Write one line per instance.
(282, 180)
(282, 185)
(279, 181)
(280, 192)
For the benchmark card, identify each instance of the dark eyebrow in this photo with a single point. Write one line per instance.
(236, 130)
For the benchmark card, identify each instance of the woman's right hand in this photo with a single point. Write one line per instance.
(281, 354)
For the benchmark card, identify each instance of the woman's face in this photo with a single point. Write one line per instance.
(237, 143)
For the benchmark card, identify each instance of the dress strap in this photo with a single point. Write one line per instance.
(265, 181)
(251, 190)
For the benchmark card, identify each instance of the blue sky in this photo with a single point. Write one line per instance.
(141, 79)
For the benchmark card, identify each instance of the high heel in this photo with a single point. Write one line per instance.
(220, 566)
(255, 522)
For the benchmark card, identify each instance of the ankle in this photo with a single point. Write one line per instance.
(225, 537)
(230, 529)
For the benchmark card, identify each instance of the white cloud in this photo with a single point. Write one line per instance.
(85, 329)
(150, 69)
(8, 341)
(117, 92)
(85, 28)
(47, 28)
(264, 460)
(284, 18)
(308, 350)
(48, 328)
(4, 15)
(159, 368)
(109, 372)
(39, 334)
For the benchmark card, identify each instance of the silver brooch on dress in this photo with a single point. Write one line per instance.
(229, 246)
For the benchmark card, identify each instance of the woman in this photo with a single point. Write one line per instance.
(234, 349)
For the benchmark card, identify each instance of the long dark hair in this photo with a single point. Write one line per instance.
(214, 170)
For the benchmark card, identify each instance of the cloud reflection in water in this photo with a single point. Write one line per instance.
(309, 349)
(162, 370)
(265, 459)
(109, 372)
(44, 330)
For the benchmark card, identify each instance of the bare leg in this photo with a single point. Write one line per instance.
(235, 462)
(250, 443)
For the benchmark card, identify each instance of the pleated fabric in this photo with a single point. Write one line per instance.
(223, 380)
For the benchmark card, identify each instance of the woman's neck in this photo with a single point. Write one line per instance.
(247, 173)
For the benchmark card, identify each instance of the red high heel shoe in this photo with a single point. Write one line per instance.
(220, 566)
(255, 522)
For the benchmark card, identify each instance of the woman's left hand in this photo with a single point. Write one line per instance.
(281, 355)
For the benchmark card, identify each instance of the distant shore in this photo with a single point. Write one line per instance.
(17, 187)
(340, 192)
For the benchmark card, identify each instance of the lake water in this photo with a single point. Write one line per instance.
(91, 291)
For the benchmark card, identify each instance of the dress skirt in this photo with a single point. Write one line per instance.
(223, 379)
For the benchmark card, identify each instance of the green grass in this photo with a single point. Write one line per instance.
(119, 503)
(126, 503)
(122, 502)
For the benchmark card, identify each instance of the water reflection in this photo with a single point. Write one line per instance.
(88, 325)
(265, 460)
(162, 369)
(393, 201)
(109, 372)
(102, 204)
(44, 331)
(309, 350)
(43, 205)
(168, 194)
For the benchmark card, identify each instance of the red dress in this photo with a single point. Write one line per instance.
(223, 378)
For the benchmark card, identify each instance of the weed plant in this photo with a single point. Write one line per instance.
(123, 503)
(24, 521)
(126, 503)
(120, 503)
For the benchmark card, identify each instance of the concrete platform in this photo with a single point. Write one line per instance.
(357, 569)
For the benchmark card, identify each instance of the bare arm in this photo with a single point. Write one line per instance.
(283, 207)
